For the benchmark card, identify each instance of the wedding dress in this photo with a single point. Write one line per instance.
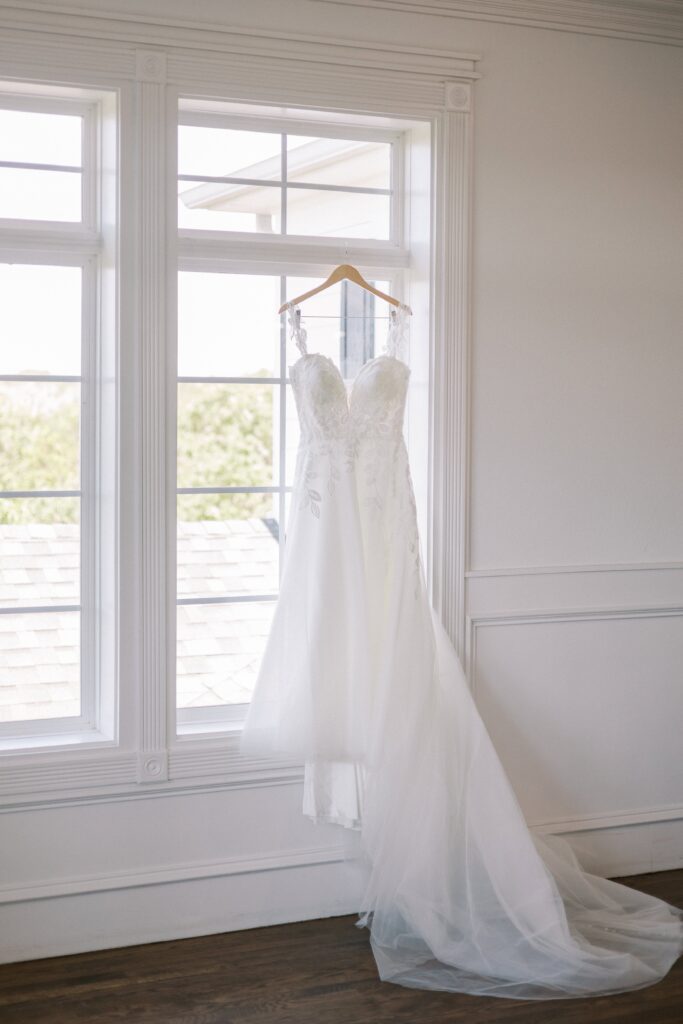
(360, 682)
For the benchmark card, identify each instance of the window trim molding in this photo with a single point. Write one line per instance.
(150, 67)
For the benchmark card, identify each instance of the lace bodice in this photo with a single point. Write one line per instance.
(372, 409)
(374, 406)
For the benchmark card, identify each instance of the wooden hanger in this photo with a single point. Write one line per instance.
(344, 272)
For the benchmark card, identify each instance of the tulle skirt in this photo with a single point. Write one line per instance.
(462, 897)
(361, 682)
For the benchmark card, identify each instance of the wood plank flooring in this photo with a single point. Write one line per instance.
(316, 972)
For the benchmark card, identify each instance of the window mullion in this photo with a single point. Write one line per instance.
(154, 133)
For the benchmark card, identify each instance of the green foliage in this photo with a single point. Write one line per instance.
(225, 438)
(39, 437)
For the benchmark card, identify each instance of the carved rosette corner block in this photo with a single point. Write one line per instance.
(150, 66)
(153, 767)
(457, 96)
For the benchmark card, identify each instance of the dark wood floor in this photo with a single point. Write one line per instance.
(317, 972)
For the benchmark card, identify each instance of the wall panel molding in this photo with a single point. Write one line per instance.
(618, 819)
(607, 819)
(560, 570)
(480, 621)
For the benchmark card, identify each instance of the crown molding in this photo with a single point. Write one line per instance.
(187, 35)
(653, 21)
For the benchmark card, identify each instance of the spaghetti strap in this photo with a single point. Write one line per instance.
(296, 331)
(397, 333)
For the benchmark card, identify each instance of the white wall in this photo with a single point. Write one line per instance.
(575, 584)
(577, 437)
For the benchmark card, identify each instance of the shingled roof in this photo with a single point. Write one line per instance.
(219, 645)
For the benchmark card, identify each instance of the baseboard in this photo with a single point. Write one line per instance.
(133, 879)
(635, 849)
(60, 917)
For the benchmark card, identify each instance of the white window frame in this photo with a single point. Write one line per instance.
(77, 58)
(78, 244)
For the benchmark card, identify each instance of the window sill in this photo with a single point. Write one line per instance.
(211, 722)
(82, 739)
(207, 731)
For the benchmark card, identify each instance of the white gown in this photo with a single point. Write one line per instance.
(359, 680)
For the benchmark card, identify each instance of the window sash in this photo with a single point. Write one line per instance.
(290, 126)
(87, 492)
(77, 244)
(88, 168)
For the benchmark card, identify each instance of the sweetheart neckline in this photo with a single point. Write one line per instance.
(354, 381)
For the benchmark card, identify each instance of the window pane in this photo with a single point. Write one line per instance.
(211, 207)
(224, 152)
(228, 325)
(40, 319)
(40, 195)
(28, 137)
(220, 647)
(339, 162)
(227, 435)
(319, 315)
(39, 426)
(39, 666)
(344, 322)
(222, 206)
(338, 214)
(227, 544)
(39, 551)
